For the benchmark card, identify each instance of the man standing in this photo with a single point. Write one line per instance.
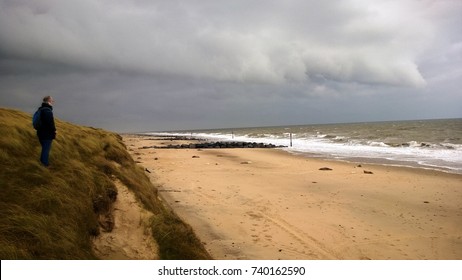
(47, 130)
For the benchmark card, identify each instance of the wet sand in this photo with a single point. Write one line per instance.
(269, 204)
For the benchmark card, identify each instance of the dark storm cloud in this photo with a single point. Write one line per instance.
(265, 41)
(139, 65)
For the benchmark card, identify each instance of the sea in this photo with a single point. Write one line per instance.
(429, 144)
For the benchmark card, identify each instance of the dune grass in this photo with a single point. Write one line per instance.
(52, 213)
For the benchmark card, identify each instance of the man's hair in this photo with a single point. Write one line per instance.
(47, 98)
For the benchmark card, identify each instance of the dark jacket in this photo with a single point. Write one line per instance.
(47, 130)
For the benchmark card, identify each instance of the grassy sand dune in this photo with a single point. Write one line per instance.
(55, 213)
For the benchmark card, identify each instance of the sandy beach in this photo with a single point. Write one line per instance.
(269, 204)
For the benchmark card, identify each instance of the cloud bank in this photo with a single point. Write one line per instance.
(134, 65)
(258, 41)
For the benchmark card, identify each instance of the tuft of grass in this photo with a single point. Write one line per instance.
(52, 213)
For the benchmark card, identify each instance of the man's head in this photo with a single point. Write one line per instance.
(48, 99)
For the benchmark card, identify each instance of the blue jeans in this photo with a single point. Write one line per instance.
(46, 147)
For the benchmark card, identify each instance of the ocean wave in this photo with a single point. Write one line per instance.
(358, 141)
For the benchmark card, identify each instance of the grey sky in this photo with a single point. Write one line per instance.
(163, 65)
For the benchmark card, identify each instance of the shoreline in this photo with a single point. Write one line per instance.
(378, 162)
(273, 204)
(354, 160)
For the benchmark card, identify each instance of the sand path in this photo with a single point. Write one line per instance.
(130, 238)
